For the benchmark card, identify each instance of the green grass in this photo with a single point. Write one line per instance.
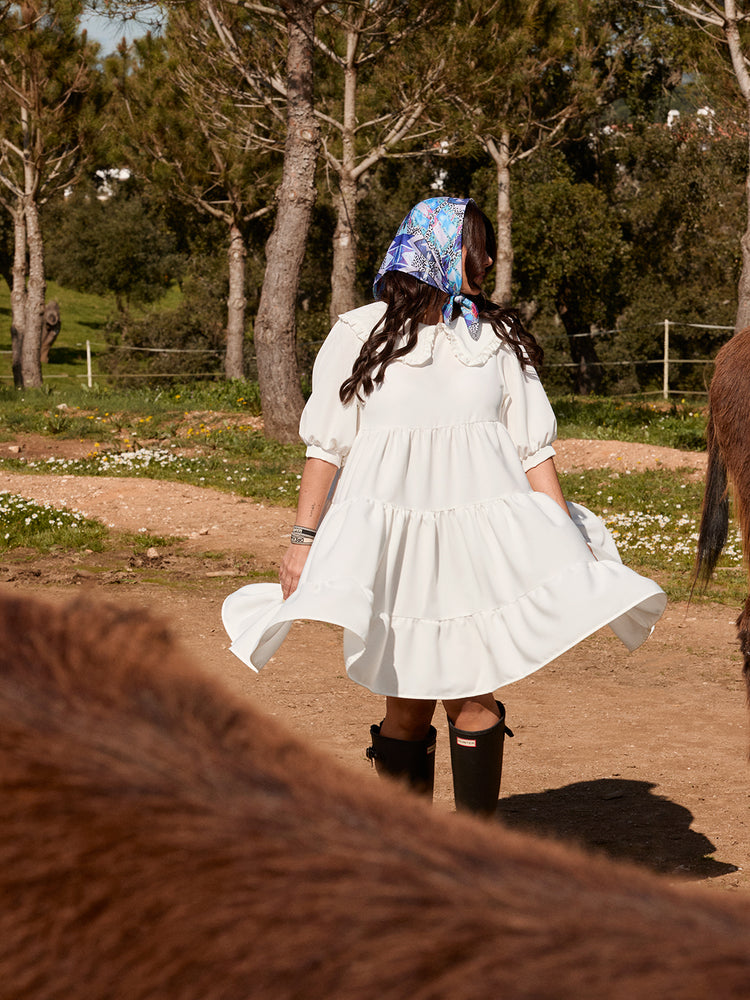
(653, 516)
(24, 523)
(83, 318)
(193, 433)
(238, 460)
(654, 519)
(71, 410)
(675, 425)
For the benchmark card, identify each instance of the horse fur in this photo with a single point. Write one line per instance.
(728, 443)
(161, 837)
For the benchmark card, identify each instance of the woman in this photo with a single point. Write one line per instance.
(448, 553)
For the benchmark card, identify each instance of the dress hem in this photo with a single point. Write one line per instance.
(658, 596)
(258, 621)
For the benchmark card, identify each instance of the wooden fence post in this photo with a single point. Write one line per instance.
(665, 386)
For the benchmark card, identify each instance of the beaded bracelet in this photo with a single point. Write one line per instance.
(302, 536)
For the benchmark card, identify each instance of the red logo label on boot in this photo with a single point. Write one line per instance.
(465, 743)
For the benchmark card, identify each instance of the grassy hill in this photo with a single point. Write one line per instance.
(84, 318)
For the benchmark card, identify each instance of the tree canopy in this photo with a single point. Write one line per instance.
(285, 141)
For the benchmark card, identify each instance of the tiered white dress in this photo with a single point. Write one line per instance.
(448, 574)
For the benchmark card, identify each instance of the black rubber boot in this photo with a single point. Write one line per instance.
(477, 763)
(409, 760)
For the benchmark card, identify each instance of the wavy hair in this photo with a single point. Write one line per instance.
(409, 300)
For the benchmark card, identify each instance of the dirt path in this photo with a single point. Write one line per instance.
(642, 755)
(209, 519)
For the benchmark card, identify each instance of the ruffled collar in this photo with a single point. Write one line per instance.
(466, 349)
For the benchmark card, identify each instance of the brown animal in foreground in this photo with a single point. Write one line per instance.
(728, 440)
(161, 838)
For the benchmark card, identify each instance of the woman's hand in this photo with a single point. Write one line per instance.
(317, 477)
(291, 568)
(543, 479)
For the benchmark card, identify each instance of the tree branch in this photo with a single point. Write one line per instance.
(694, 11)
(739, 59)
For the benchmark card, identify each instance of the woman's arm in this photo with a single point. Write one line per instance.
(543, 479)
(317, 477)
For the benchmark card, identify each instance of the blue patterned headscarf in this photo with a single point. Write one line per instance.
(428, 246)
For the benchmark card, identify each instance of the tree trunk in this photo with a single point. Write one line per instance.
(587, 376)
(742, 320)
(730, 24)
(275, 323)
(234, 366)
(344, 270)
(500, 153)
(35, 295)
(18, 295)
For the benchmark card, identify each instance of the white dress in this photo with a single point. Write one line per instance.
(448, 574)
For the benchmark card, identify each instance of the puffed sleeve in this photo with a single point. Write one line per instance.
(526, 411)
(327, 427)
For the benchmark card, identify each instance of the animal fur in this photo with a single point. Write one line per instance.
(160, 837)
(728, 442)
(51, 328)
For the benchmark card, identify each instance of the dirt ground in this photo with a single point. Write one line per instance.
(641, 755)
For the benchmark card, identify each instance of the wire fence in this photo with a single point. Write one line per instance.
(666, 361)
(89, 372)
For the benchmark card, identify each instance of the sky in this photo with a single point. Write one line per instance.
(108, 31)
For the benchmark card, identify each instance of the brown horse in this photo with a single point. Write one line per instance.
(728, 439)
(161, 837)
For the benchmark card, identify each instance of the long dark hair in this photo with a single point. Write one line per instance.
(408, 300)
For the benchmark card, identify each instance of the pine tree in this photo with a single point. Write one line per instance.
(46, 71)
(727, 22)
(187, 129)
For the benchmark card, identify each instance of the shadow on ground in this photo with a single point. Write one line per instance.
(67, 355)
(622, 819)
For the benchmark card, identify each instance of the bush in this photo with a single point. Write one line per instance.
(165, 346)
